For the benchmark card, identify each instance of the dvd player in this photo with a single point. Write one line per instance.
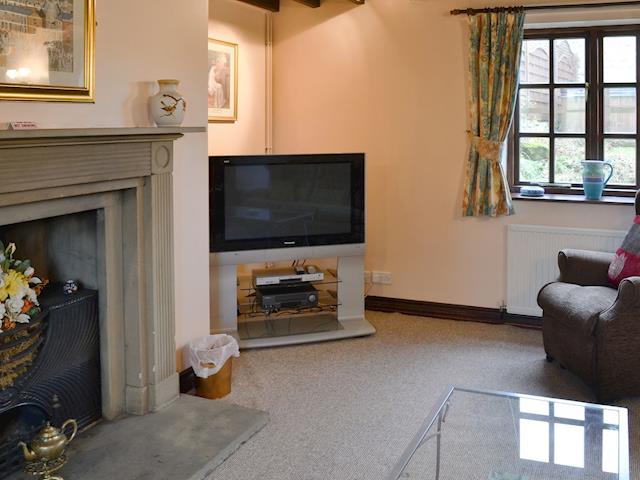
(279, 276)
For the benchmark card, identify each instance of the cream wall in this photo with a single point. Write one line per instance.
(389, 78)
(137, 43)
(245, 25)
(239, 23)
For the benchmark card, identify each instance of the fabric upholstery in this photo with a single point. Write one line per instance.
(583, 267)
(576, 306)
(591, 329)
(574, 351)
(495, 45)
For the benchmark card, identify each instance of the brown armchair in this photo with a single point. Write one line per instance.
(589, 327)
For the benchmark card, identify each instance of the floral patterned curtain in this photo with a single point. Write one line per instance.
(495, 44)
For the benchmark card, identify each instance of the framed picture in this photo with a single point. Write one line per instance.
(47, 50)
(223, 81)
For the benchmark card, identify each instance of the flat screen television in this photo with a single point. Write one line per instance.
(282, 201)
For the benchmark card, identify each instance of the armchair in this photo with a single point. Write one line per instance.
(589, 327)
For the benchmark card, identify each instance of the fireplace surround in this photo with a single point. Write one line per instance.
(125, 176)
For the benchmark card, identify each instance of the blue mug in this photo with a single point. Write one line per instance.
(593, 178)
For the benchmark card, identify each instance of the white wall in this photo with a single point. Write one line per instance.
(389, 78)
(239, 23)
(137, 43)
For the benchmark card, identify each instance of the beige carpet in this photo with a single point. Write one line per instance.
(347, 409)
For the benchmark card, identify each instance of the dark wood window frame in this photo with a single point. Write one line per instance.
(594, 107)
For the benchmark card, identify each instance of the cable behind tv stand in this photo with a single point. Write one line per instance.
(349, 304)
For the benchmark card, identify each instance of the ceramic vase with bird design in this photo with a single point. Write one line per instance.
(168, 106)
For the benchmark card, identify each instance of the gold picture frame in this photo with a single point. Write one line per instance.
(222, 81)
(66, 49)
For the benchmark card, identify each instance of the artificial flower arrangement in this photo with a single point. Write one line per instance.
(19, 289)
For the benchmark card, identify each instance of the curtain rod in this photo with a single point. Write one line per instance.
(475, 11)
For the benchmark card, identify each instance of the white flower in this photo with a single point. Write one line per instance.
(29, 271)
(3, 311)
(14, 305)
(22, 318)
(35, 281)
(32, 296)
(2, 257)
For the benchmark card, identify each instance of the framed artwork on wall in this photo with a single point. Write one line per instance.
(223, 81)
(47, 50)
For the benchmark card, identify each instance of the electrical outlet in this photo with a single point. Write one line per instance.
(383, 278)
(367, 276)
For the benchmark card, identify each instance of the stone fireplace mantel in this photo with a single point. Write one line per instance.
(125, 175)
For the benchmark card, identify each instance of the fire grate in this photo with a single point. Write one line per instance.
(62, 378)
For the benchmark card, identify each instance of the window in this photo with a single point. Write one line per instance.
(577, 100)
(561, 433)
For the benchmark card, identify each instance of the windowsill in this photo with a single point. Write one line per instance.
(559, 197)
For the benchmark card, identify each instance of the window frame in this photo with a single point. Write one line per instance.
(594, 120)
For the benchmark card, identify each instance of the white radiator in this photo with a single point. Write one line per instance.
(532, 259)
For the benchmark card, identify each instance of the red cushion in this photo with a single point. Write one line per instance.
(627, 261)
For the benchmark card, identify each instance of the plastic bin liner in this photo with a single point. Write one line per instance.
(208, 355)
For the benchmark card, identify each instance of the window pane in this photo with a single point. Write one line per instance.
(569, 60)
(534, 66)
(610, 417)
(568, 411)
(568, 445)
(534, 110)
(534, 159)
(569, 153)
(534, 440)
(610, 453)
(534, 406)
(619, 59)
(570, 110)
(621, 153)
(620, 110)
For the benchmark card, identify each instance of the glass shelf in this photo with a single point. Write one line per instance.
(256, 323)
(249, 307)
(245, 282)
(269, 326)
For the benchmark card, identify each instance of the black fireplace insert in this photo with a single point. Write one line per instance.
(62, 381)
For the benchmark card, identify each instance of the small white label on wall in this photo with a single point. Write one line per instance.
(18, 126)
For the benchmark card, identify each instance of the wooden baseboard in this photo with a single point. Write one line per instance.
(187, 380)
(450, 311)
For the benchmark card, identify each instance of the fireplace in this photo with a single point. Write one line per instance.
(59, 351)
(96, 206)
(62, 381)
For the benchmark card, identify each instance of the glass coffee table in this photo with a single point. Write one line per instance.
(484, 435)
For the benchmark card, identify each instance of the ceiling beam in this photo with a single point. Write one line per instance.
(316, 3)
(310, 3)
(271, 5)
(274, 5)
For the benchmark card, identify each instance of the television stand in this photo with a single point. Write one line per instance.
(341, 312)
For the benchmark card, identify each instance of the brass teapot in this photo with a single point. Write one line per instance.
(50, 443)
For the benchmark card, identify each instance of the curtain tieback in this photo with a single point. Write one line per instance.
(487, 148)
